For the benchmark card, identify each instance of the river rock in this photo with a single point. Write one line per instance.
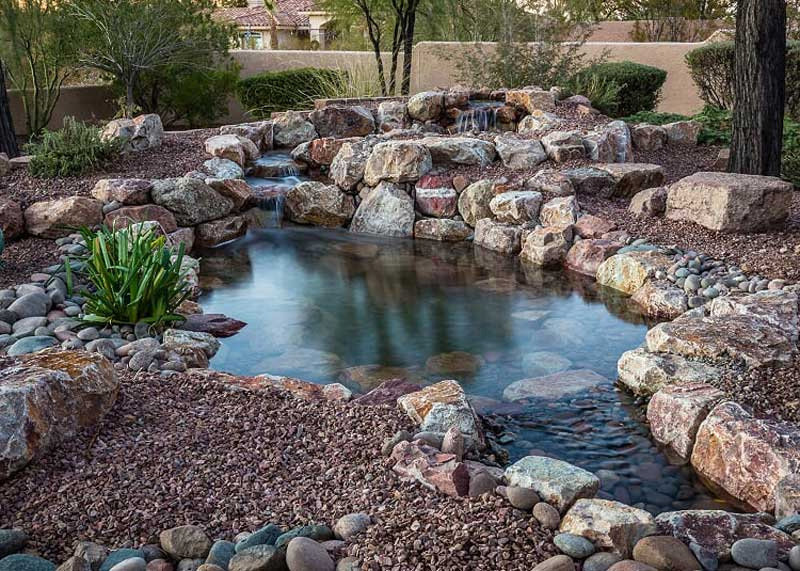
(632, 178)
(546, 515)
(601, 561)
(185, 542)
(397, 161)
(666, 553)
(649, 202)
(645, 373)
(387, 210)
(54, 218)
(442, 229)
(516, 207)
(531, 100)
(191, 200)
(496, 236)
(573, 545)
(755, 553)
(291, 129)
(12, 541)
(342, 121)
(547, 246)
(433, 469)
(557, 482)
(474, 202)
(519, 154)
(608, 524)
(348, 166)
(34, 304)
(587, 255)
(729, 202)
(221, 553)
(426, 106)
(239, 150)
(24, 562)
(559, 211)
(451, 152)
(660, 299)
(629, 271)
(555, 386)
(543, 363)
(563, 146)
(350, 526)
(175, 339)
(312, 202)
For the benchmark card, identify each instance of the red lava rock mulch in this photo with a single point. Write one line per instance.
(186, 450)
(25, 257)
(770, 393)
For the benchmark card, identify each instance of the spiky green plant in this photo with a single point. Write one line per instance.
(136, 277)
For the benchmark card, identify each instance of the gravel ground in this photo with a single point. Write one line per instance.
(186, 450)
(771, 393)
(25, 257)
(178, 154)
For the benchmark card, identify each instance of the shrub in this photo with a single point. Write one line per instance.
(711, 67)
(602, 92)
(136, 277)
(717, 126)
(73, 150)
(655, 118)
(640, 85)
(282, 90)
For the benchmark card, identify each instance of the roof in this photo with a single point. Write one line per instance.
(288, 13)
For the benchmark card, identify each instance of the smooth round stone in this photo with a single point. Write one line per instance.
(30, 345)
(546, 515)
(190, 564)
(221, 553)
(573, 545)
(264, 536)
(41, 331)
(481, 483)
(88, 334)
(132, 564)
(696, 301)
(21, 562)
(630, 565)
(794, 558)
(522, 498)
(665, 552)
(348, 564)
(72, 311)
(711, 292)
(692, 283)
(556, 563)
(351, 525)
(601, 561)
(755, 553)
(210, 567)
(304, 554)
(12, 541)
(258, 558)
(315, 532)
(120, 555)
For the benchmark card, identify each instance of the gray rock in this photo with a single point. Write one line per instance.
(707, 558)
(190, 564)
(31, 305)
(546, 515)
(601, 561)
(794, 558)
(30, 345)
(28, 325)
(264, 536)
(789, 524)
(315, 532)
(11, 541)
(221, 553)
(573, 545)
(92, 552)
(522, 498)
(755, 553)
(351, 525)
(258, 558)
(185, 542)
(20, 562)
(132, 564)
(118, 556)
(88, 334)
(305, 554)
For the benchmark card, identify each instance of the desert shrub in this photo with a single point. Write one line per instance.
(640, 85)
(282, 90)
(711, 67)
(655, 118)
(73, 150)
(135, 277)
(717, 126)
(602, 92)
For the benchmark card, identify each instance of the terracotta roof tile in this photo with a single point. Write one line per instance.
(289, 13)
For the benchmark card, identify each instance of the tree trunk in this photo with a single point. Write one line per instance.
(408, 46)
(8, 137)
(759, 87)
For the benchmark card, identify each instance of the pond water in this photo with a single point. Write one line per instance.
(329, 306)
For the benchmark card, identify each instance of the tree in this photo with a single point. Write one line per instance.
(129, 38)
(405, 24)
(759, 87)
(37, 44)
(273, 24)
(8, 137)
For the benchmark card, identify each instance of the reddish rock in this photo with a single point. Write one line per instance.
(665, 552)
(216, 324)
(387, 393)
(124, 217)
(631, 565)
(589, 226)
(439, 202)
(323, 151)
(675, 414)
(127, 191)
(745, 457)
(12, 222)
(342, 121)
(55, 218)
(185, 236)
(587, 255)
(235, 189)
(460, 182)
(301, 389)
(431, 468)
(216, 232)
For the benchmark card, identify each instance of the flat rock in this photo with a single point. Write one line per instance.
(608, 524)
(457, 151)
(557, 482)
(632, 178)
(555, 386)
(645, 373)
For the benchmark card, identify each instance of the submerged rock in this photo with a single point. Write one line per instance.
(555, 386)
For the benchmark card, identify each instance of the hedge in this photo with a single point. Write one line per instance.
(640, 85)
(283, 90)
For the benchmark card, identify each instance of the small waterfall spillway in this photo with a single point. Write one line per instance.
(478, 116)
(272, 176)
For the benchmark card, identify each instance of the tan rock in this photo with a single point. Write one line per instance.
(519, 154)
(387, 210)
(348, 166)
(629, 271)
(649, 137)
(560, 211)
(496, 236)
(342, 121)
(127, 215)
(397, 161)
(632, 178)
(551, 182)
(590, 226)
(301, 389)
(787, 496)
(54, 218)
(454, 363)
(450, 152)
(235, 190)
(312, 202)
(660, 299)
(474, 201)
(232, 147)
(675, 414)
(557, 482)
(665, 553)
(645, 373)
(682, 132)
(630, 565)
(216, 232)
(426, 106)
(538, 122)
(563, 146)
(608, 524)
(777, 308)
(516, 207)
(547, 246)
(442, 229)
(439, 407)
(127, 191)
(532, 100)
(12, 221)
(586, 256)
(649, 202)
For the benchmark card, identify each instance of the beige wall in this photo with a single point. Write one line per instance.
(86, 103)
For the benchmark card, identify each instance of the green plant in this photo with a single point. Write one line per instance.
(640, 85)
(135, 277)
(711, 67)
(655, 118)
(75, 149)
(717, 126)
(282, 90)
(602, 92)
(352, 82)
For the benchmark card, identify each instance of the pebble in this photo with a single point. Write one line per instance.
(453, 443)
(665, 552)
(522, 498)
(305, 554)
(601, 561)
(351, 525)
(794, 558)
(556, 563)
(575, 546)
(185, 542)
(546, 515)
(755, 553)
(88, 334)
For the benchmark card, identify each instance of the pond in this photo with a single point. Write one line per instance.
(329, 306)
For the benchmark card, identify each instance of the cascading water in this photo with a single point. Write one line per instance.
(272, 176)
(479, 116)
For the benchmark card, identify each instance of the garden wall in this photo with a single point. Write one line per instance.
(430, 70)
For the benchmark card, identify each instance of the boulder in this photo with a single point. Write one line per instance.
(216, 232)
(259, 132)
(675, 413)
(342, 121)
(649, 202)
(717, 530)
(531, 100)
(586, 256)
(563, 146)
(348, 166)
(555, 386)
(738, 338)
(426, 106)
(216, 324)
(518, 153)
(321, 152)
(538, 122)
(660, 299)
(312, 202)
(632, 178)
(137, 134)
(450, 152)
(183, 236)
(12, 221)
(386, 211)
(435, 196)
(397, 161)
(433, 469)
(667, 553)
(442, 229)
(609, 524)
(47, 398)
(176, 339)
(55, 218)
(233, 148)
(744, 456)
(557, 482)
(559, 211)
(649, 137)
(127, 215)
(682, 132)
(517, 207)
(439, 407)
(645, 373)
(589, 226)
(629, 271)
(729, 202)
(497, 236)
(387, 393)
(185, 542)
(776, 308)
(611, 143)
(126, 191)
(551, 182)
(236, 190)
(591, 181)
(392, 115)
(787, 498)
(547, 246)
(191, 200)
(474, 201)
(291, 128)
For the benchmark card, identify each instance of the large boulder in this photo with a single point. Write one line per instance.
(645, 373)
(608, 524)
(609, 144)
(46, 399)
(342, 121)
(777, 308)
(456, 151)
(555, 386)
(435, 196)
(518, 153)
(216, 232)
(238, 191)
(12, 221)
(441, 229)
(387, 210)
(126, 191)
(517, 207)
(557, 482)
(348, 166)
(191, 200)
(547, 246)
(744, 456)
(675, 413)
(392, 115)
(563, 146)
(590, 180)
(683, 132)
(538, 122)
(649, 137)
(730, 202)
(56, 218)
(239, 150)
(416, 461)
(497, 236)
(632, 178)
(397, 161)
(474, 202)
(560, 211)
(312, 202)
(649, 202)
(586, 256)
(531, 100)
(629, 271)
(137, 134)
(127, 215)
(321, 152)
(441, 406)
(259, 132)
(660, 299)
(426, 106)
(291, 129)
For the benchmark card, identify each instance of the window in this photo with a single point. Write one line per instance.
(251, 41)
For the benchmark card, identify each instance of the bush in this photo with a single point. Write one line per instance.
(717, 126)
(640, 85)
(284, 90)
(136, 277)
(603, 93)
(655, 118)
(73, 150)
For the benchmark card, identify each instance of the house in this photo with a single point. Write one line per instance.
(294, 24)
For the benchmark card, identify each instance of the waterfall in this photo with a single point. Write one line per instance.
(476, 119)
